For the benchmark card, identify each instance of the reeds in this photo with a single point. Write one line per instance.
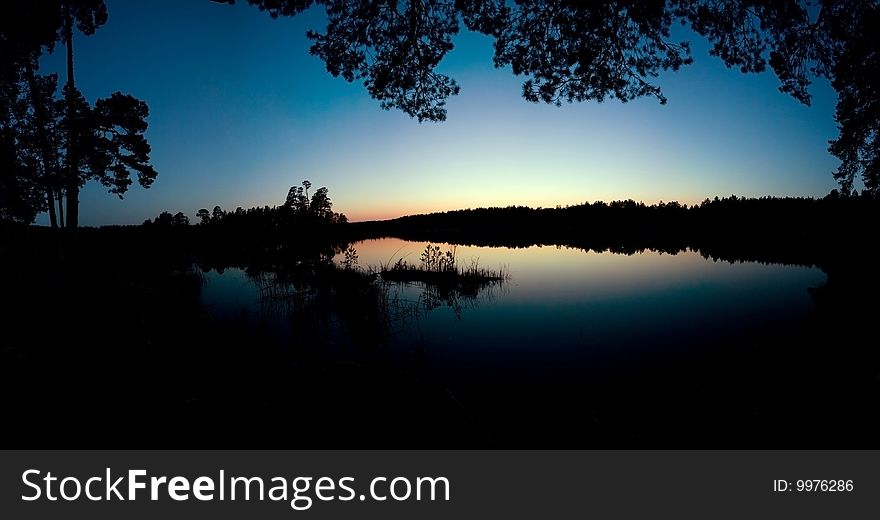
(440, 268)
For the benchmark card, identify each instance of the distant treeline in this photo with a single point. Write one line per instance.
(788, 230)
(621, 218)
(299, 210)
(828, 231)
(628, 218)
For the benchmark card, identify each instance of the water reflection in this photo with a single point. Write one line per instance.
(561, 313)
(576, 347)
(347, 302)
(559, 273)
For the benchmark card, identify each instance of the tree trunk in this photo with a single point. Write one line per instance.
(60, 209)
(72, 151)
(42, 123)
(50, 197)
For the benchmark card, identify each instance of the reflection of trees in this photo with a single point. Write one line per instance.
(326, 303)
(432, 296)
(788, 230)
(443, 281)
(461, 298)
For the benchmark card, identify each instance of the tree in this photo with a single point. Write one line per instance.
(203, 216)
(87, 16)
(20, 196)
(320, 205)
(30, 134)
(858, 108)
(25, 29)
(164, 219)
(293, 197)
(179, 219)
(297, 198)
(571, 51)
(104, 142)
(217, 214)
(114, 145)
(48, 138)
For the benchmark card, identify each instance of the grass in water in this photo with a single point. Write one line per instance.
(441, 269)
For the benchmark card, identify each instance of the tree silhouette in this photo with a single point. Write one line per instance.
(320, 205)
(20, 194)
(293, 196)
(116, 144)
(392, 47)
(583, 51)
(30, 170)
(568, 50)
(47, 137)
(164, 219)
(104, 142)
(25, 29)
(307, 184)
(298, 198)
(203, 216)
(297, 212)
(87, 16)
(579, 51)
(858, 108)
(180, 219)
(167, 220)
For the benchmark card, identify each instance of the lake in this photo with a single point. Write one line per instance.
(563, 318)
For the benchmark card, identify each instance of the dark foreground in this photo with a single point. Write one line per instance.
(105, 344)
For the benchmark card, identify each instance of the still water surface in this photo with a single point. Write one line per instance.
(562, 313)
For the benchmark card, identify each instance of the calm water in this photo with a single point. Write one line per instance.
(561, 314)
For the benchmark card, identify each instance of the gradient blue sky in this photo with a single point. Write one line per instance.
(239, 112)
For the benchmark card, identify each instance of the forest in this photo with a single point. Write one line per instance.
(108, 338)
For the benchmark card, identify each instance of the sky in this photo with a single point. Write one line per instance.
(240, 112)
